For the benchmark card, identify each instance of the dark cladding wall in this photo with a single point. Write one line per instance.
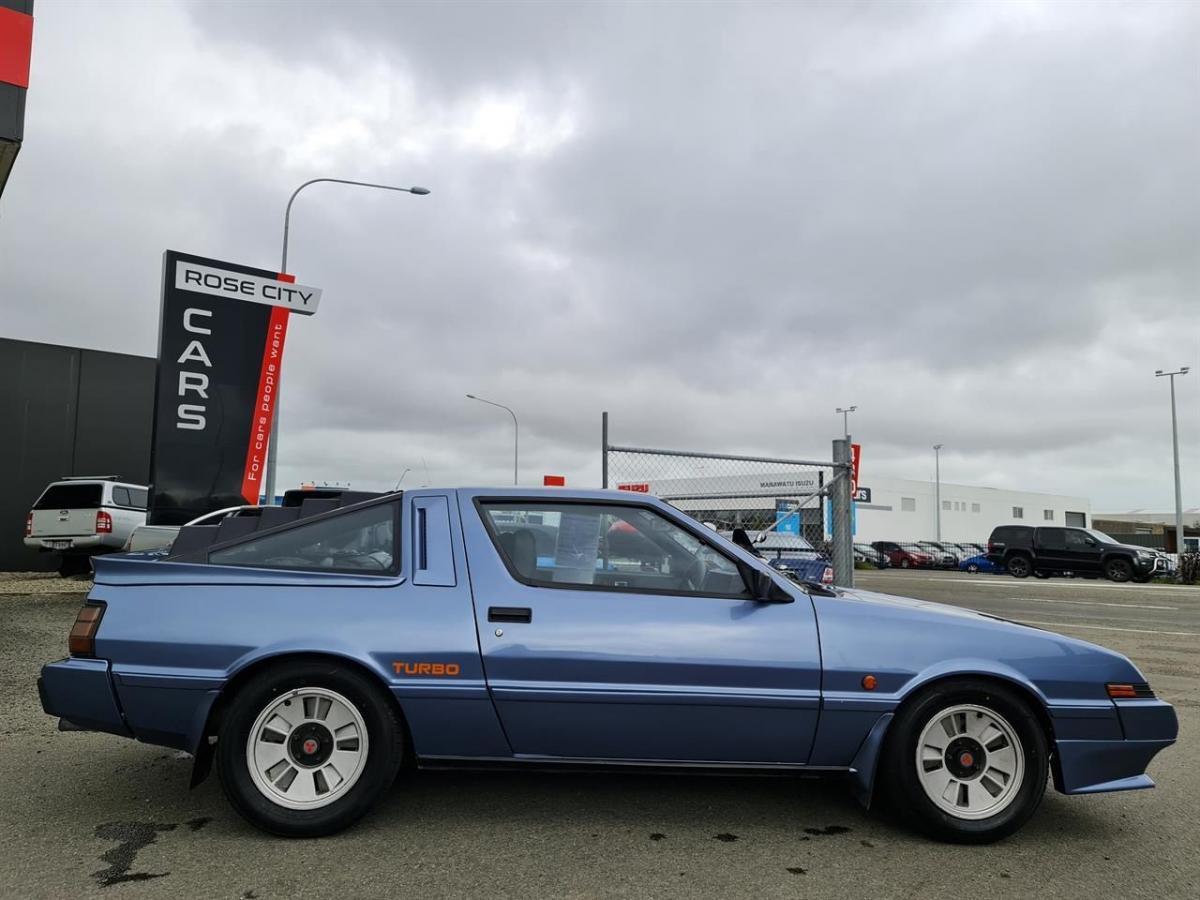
(66, 411)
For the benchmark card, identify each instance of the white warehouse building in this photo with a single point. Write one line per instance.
(905, 510)
(898, 509)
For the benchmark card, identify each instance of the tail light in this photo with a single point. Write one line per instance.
(827, 575)
(29, 525)
(1135, 691)
(103, 523)
(82, 640)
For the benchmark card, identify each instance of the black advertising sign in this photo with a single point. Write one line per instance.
(220, 347)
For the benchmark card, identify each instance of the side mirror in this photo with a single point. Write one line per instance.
(766, 590)
(742, 539)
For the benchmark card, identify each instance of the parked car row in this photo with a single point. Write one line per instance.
(926, 554)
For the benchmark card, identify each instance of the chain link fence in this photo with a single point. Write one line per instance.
(760, 494)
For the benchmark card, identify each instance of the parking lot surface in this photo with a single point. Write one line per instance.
(88, 815)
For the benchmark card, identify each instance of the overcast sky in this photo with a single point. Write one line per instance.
(978, 222)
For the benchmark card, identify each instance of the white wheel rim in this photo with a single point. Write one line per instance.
(970, 762)
(307, 748)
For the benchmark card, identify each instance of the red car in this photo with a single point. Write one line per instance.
(903, 558)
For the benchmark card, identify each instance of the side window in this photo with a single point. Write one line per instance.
(613, 548)
(908, 504)
(1052, 538)
(120, 496)
(363, 541)
(1077, 540)
(138, 497)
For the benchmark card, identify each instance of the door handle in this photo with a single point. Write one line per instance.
(510, 614)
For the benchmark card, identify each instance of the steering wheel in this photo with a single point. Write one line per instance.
(696, 575)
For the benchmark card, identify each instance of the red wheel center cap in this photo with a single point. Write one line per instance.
(966, 759)
(310, 747)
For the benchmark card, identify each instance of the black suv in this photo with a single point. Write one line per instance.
(1025, 550)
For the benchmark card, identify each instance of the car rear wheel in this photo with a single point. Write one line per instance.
(1020, 567)
(1118, 569)
(966, 761)
(973, 568)
(307, 748)
(904, 563)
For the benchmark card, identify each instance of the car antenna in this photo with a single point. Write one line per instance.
(402, 474)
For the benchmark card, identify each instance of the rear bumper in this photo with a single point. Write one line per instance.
(80, 691)
(1095, 766)
(68, 543)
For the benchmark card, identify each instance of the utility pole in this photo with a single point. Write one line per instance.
(937, 491)
(1183, 370)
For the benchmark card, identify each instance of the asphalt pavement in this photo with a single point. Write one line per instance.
(88, 815)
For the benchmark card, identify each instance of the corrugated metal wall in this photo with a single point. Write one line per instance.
(66, 410)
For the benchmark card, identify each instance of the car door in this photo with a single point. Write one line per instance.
(1052, 549)
(617, 630)
(1083, 550)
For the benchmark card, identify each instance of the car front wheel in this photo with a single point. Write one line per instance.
(307, 748)
(973, 568)
(966, 762)
(1118, 569)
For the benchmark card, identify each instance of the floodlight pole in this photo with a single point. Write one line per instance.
(1183, 370)
(937, 496)
(273, 443)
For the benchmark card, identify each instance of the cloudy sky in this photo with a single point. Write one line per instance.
(978, 222)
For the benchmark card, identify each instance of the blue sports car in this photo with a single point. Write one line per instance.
(312, 650)
(980, 563)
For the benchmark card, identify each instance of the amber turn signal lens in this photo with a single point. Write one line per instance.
(82, 640)
(869, 682)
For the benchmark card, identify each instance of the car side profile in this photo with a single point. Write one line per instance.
(1025, 550)
(311, 656)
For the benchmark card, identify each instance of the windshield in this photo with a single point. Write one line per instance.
(1100, 536)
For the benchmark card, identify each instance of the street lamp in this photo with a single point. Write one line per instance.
(846, 418)
(937, 496)
(515, 427)
(1159, 373)
(273, 445)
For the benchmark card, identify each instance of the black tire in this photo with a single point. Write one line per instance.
(973, 568)
(1118, 569)
(1019, 566)
(384, 754)
(901, 782)
(904, 563)
(73, 564)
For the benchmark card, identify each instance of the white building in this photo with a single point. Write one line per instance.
(904, 510)
(899, 509)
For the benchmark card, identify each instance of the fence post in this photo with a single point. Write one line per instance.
(604, 450)
(840, 498)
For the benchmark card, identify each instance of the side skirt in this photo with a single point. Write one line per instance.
(561, 764)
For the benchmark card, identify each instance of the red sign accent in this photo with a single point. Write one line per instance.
(855, 453)
(284, 276)
(554, 481)
(638, 487)
(16, 46)
(264, 405)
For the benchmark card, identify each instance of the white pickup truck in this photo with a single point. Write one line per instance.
(82, 516)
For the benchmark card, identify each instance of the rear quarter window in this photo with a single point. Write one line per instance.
(71, 496)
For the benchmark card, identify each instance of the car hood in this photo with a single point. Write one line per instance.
(907, 639)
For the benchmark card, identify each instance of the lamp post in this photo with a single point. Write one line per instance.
(937, 496)
(516, 428)
(273, 444)
(1183, 370)
(846, 418)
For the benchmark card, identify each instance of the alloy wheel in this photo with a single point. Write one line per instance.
(970, 762)
(307, 748)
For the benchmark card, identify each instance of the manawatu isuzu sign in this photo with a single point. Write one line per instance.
(221, 339)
